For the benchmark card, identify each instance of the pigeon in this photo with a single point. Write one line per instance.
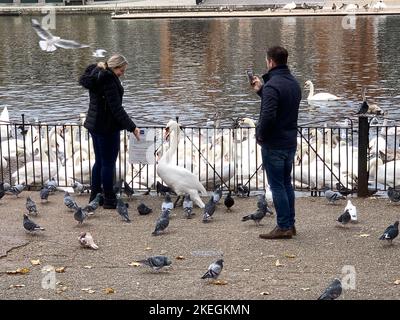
(80, 215)
(122, 209)
(30, 226)
(31, 206)
(243, 190)
(86, 240)
(228, 201)
(51, 185)
(214, 270)
(217, 194)
(128, 190)
(188, 206)
(156, 262)
(256, 216)
(2, 191)
(393, 194)
(333, 291)
(80, 188)
(209, 210)
(17, 189)
(49, 43)
(6, 186)
(44, 194)
(345, 217)
(391, 232)
(343, 190)
(143, 209)
(167, 203)
(332, 196)
(69, 201)
(262, 205)
(352, 210)
(117, 187)
(162, 222)
(163, 190)
(93, 205)
(99, 53)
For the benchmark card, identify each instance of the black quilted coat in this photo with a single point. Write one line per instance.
(105, 114)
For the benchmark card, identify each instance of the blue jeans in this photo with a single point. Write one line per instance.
(278, 164)
(106, 148)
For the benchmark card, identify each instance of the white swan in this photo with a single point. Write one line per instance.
(178, 178)
(4, 123)
(289, 6)
(322, 96)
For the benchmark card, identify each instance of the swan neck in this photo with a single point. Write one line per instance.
(310, 95)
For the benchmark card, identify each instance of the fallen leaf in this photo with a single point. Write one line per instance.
(290, 255)
(88, 267)
(265, 293)
(220, 282)
(88, 290)
(148, 248)
(60, 270)
(109, 290)
(397, 282)
(246, 269)
(364, 235)
(305, 289)
(17, 286)
(180, 258)
(18, 271)
(278, 264)
(135, 264)
(35, 262)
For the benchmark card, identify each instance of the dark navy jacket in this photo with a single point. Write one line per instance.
(280, 100)
(105, 114)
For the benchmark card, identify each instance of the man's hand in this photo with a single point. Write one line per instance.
(136, 132)
(256, 83)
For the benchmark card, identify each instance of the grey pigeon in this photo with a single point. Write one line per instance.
(80, 188)
(156, 262)
(188, 206)
(162, 222)
(17, 189)
(209, 210)
(30, 226)
(143, 209)
(214, 270)
(51, 185)
(393, 194)
(31, 206)
(128, 190)
(93, 205)
(163, 190)
(256, 216)
(332, 196)
(243, 190)
(217, 194)
(391, 232)
(70, 202)
(167, 203)
(122, 209)
(262, 204)
(345, 217)
(80, 215)
(228, 201)
(333, 291)
(44, 194)
(6, 186)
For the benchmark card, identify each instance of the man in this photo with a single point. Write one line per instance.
(276, 132)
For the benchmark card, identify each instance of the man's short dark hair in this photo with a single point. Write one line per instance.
(278, 54)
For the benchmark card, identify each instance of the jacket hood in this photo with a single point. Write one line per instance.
(89, 78)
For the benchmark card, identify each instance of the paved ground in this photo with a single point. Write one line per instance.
(308, 262)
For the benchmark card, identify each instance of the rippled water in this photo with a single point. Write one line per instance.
(192, 68)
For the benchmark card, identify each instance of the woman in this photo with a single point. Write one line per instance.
(105, 119)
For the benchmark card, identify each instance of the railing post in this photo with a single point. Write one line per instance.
(363, 141)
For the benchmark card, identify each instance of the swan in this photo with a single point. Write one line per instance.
(4, 124)
(178, 178)
(289, 6)
(322, 96)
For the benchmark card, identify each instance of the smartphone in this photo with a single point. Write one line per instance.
(250, 75)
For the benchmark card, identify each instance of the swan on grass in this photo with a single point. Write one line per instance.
(178, 178)
(322, 96)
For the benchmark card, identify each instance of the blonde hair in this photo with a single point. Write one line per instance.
(116, 61)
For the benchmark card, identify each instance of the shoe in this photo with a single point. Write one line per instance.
(294, 230)
(110, 201)
(277, 233)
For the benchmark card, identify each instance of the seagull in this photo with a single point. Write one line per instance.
(156, 262)
(393, 194)
(345, 217)
(99, 53)
(332, 196)
(143, 209)
(391, 232)
(49, 43)
(122, 209)
(162, 222)
(31, 206)
(188, 206)
(209, 210)
(214, 270)
(228, 201)
(352, 211)
(333, 291)
(30, 226)
(86, 240)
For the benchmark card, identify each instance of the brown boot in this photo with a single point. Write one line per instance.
(277, 233)
(294, 230)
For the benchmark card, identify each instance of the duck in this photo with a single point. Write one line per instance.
(322, 96)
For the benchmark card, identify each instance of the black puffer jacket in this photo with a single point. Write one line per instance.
(105, 114)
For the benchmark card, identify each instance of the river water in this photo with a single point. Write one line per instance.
(193, 68)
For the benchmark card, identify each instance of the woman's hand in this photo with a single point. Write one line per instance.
(136, 133)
